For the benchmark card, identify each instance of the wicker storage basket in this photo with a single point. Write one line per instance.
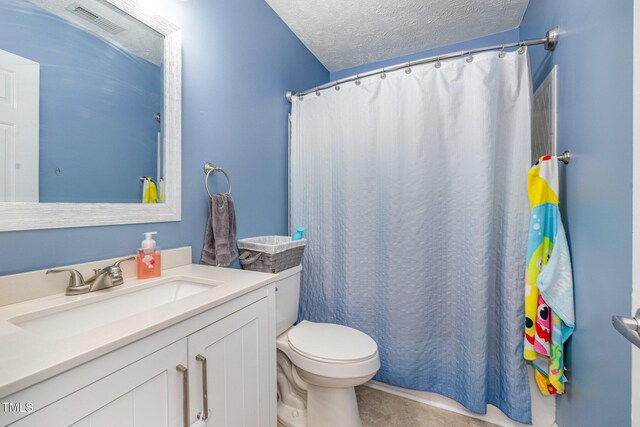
(270, 254)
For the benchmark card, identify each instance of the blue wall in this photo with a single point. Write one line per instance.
(97, 104)
(239, 58)
(494, 39)
(594, 58)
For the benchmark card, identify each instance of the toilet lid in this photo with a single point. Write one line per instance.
(327, 341)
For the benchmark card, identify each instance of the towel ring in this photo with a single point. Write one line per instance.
(208, 170)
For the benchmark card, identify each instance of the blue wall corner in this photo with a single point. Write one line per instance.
(239, 58)
(595, 77)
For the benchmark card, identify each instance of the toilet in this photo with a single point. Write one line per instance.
(319, 364)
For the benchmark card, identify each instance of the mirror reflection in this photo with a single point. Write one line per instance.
(81, 87)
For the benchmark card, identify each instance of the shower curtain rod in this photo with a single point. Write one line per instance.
(550, 40)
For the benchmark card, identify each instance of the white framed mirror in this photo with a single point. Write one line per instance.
(90, 114)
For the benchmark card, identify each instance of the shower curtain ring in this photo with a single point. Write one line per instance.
(502, 53)
(522, 48)
(469, 57)
(408, 69)
(357, 79)
(438, 63)
(383, 75)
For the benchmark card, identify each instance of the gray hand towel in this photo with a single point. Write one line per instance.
(220, 233)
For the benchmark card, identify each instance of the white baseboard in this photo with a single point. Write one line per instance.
(543, 408)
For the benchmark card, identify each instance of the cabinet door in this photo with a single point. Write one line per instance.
(145, 393)
(236, 352)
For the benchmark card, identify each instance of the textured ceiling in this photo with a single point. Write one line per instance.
(136, 38)
(344, 34)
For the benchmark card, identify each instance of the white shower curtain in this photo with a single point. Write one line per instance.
(413, 191)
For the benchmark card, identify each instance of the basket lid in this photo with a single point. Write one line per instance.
(270, 244)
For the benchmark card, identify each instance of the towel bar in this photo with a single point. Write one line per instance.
(565, 157)
(210, 168)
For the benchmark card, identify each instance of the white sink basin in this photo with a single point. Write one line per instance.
(87, 316)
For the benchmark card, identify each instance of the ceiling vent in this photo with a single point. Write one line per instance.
(94, 18)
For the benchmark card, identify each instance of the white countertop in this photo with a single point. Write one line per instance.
(27, 358)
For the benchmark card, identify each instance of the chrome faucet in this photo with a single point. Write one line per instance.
(103, 278)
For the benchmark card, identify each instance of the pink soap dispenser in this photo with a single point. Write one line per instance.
(148, 259)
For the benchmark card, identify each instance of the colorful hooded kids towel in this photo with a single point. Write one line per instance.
(549, 316)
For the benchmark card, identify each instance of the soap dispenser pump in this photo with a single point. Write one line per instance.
(148, 259)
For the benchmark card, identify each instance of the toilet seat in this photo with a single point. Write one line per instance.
(331, 343)
(338, 359)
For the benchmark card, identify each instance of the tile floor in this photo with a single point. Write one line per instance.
(380, 409)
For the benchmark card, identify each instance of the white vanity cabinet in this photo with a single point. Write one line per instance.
(146, 393)
(230, 347)
(232, 358)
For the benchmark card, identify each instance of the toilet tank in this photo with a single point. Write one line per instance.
(287, 298)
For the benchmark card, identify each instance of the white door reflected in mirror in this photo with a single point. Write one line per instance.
(109, 107)
(99, 105)
(19, 128)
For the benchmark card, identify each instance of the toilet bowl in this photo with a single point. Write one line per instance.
(319, 364)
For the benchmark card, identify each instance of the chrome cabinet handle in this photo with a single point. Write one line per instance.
(628, 327)
(185, 394)
(205, 398)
